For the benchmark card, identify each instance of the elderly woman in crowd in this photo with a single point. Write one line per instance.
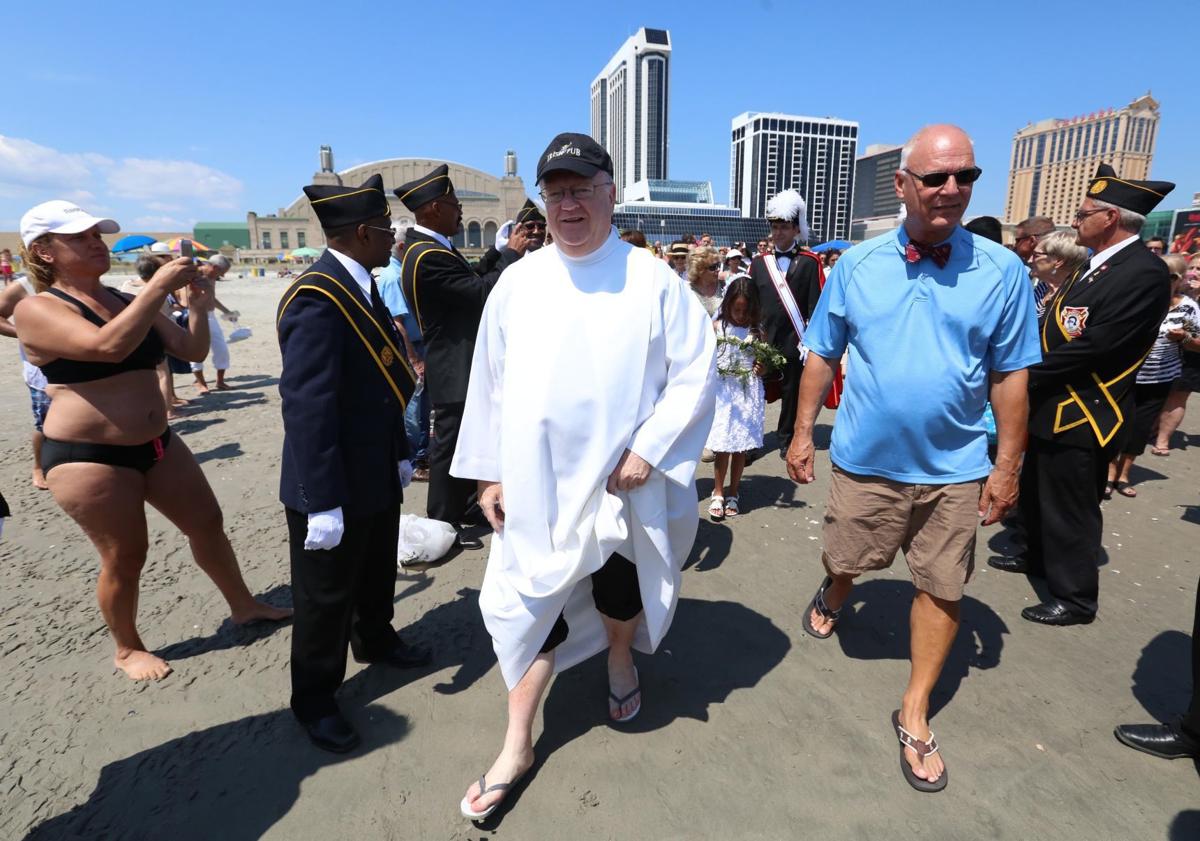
(214, 269)
(1160, 369)
(732, 261)
(703, 274)
(1056, 257)
(1189, 375)
(108, 450)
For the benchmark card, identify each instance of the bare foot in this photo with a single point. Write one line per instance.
(202, 389)
(835, 597)
(622, 680)
(260, 612)
(39, 480)
(173, 415)
(931, 769)
(179, 401)
(224, 387)
(507, 768)
(142, 665)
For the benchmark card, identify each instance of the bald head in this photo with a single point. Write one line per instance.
(937, 171)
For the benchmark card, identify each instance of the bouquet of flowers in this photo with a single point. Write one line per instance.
(763, 353)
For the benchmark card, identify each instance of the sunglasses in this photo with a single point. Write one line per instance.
(938, 179)
(715, 267)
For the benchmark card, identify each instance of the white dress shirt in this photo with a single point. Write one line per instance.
(361, 276)
(421, 229)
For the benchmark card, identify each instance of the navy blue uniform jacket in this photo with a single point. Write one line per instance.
(343, 426)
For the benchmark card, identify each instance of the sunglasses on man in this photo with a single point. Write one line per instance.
(937, 179)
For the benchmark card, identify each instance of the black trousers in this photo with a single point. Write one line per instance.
(342, 596)
(1191, 721)
(616, 593)
(1148, 399)
(790, 396)
(1061, 489)
(449, 497)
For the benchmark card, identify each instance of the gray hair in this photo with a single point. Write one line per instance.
(1127, 219)
(1062, 245)
(912, 143)
(219, 261)
(1043, 224)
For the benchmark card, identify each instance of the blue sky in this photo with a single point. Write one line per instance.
(164, 114)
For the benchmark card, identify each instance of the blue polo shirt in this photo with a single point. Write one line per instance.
(922, 342)
(392, 294)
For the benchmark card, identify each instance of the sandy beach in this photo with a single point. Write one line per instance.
(750, 729)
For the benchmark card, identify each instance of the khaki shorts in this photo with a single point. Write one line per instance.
(868, 518)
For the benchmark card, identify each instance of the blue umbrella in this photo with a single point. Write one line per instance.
(132, 243)
(839, 244)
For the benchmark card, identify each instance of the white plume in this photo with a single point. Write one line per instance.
(790, 206)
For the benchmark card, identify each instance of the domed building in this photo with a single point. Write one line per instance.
(488, 202)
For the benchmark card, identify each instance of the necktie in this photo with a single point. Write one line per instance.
(940, 254)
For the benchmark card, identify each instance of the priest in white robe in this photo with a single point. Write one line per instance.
(590, 399)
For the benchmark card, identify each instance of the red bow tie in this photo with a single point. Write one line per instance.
(940, 254)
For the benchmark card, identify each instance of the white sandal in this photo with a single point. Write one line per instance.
(731, 507)
(716, 509)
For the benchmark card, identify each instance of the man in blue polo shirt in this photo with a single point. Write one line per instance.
(936, 321)
(416, 416)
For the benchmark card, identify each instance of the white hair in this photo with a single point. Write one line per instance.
(1127, 219)
(912, 143)
(219, 261)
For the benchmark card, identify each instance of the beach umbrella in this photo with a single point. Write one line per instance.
(305, 252)
(173, 244)
(839, 244)
(132, 243)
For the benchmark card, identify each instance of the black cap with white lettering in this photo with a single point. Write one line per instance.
(575, 153)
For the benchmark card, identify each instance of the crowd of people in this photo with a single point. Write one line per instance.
(503, 383)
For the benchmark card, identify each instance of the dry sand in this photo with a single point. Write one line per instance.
(750, 729)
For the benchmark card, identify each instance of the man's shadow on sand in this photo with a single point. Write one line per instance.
(874, 626)
(234, 781)
(712, 649)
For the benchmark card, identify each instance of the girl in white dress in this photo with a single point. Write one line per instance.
(738, 425)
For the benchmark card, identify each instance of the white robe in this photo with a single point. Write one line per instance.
(576, 360)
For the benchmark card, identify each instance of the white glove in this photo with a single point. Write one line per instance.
(502, 234)
(325, 529)
(405, 469)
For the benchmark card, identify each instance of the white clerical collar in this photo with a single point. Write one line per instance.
(361, 276)
(421, 229)
(1101, 257)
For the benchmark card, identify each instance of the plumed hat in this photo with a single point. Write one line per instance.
(337, 206)
(423, 190)
(1139, 196)
(789, 206)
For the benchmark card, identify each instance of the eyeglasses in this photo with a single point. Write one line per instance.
(715, 267)
(1083, 214)
(1034, 237)
(391, 232)
(1038, 255)
(577, 193)
(457, 205)
(938, 179)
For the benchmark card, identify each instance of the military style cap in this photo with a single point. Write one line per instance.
(425, 189)
(575, 153)
(337, 206)
(1139, 196)
(529, 212)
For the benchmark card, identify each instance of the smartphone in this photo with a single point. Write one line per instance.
(185, 248)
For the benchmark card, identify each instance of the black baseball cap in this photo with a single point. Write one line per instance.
(577, 153)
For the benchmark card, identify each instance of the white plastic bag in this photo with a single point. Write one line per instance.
(238, 334)
(423, 540)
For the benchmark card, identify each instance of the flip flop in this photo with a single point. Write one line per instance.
(922, 749)
(621, 701)
(464, 805)
(1108, 489)
(1155, 451)
(818, 604)
(1125, 489)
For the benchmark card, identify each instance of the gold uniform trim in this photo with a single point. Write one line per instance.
(1087, 416)
(347, 195)
(389, 347)
(416, 304)
(423, 183)
(1126, 183)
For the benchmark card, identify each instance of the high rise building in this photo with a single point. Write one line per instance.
(875, 183)
(629, 108)
(815, 155)
(1053, 160)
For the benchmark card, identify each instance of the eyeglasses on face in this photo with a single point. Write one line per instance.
(937, 179)
(391, 232)
(1039, 255)
(1083, 214)
(715, 267)
(583, 193)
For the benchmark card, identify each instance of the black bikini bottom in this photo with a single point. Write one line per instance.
(140, 457)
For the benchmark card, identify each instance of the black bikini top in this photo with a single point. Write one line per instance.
(145, 356)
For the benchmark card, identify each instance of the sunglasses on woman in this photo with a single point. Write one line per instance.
(937, 179)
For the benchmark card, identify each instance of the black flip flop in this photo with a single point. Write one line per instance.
(922, 749)
(818, 604)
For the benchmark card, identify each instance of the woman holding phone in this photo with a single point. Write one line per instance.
(108, 449)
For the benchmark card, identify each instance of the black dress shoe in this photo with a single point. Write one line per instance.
(1006, 564)
(1055, 613)
(332, 733)
(465, 541)
(401, 655)
(1163, 740)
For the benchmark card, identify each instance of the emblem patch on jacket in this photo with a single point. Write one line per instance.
(1074, 319)
(386, 356)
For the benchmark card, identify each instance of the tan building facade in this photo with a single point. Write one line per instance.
(488, 202)
(1053, 160)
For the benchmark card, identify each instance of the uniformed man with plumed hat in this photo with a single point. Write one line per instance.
(446, 296)
(344, 385)
(1095, 333)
